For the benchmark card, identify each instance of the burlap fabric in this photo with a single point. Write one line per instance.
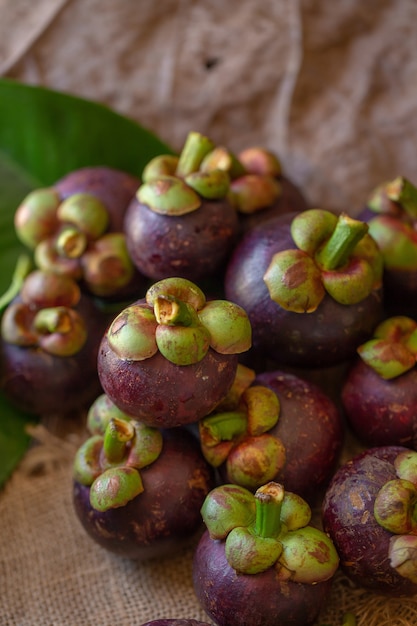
(332, 88)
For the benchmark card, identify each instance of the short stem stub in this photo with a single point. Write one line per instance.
(269, 499)
(337, 249)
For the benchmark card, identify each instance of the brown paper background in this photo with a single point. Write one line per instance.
(331, 88)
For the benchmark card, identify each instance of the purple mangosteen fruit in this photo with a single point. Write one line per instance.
(50, 336)
(369, 512)
(171, 358)
(259, 561)
(379, 394)
(181, 223)
(311, 285)
(262, 190)
(75, 228)
(274, 426)
(138, 490)
(391, 213)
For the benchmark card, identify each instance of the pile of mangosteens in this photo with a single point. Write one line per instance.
(224, 340)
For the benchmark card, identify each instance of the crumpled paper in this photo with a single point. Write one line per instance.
(331, 89)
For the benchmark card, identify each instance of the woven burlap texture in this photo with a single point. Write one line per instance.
(332, 89)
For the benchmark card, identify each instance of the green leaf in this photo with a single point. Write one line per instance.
(43, 136)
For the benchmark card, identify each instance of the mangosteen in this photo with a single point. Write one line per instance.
(181, 222)
(369, 512)
(391, 213)
(274, 426)
(311, 284)
(259, 561)
(74, 227)
(50, 336)
(170, 358)
(379, 395)
(262, 190)
(137, 491)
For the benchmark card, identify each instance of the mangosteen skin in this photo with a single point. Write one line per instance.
(165, 517)
(43, 384)
(381, 412)
(114, 187)
(327, 336)
(232, 599)
(311, 428)
(162, 394)
(348, 518)
(193, 246)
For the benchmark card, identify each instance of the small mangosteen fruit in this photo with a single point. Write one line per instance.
(311, 285)
(171, 358)
(181, 222)
(369, 511)
(391, 213)
(379, 395)
(278, 427)
(262, 190)
(50, 336)
(75, 228)
(137, 490)
(260, 562)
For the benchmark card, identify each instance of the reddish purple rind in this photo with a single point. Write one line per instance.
(115, 188)
(43, 384)
(348, 518)
(232, 599)
(165, 517)
(311, 428)
(381, 412)
(327, 336)
(193, 246)
(162, 394)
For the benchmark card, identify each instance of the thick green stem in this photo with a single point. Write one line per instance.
(222, 427)
(403, 192)
(118, 433)
(268, 499)
(196, 147)
(340, 245)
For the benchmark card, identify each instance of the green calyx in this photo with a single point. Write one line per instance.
(397, 197)
(397, 241)
(395, 509)
(395, 206)
(392, 350)
(174, 321)
(176, 185)
(334, 255)
(109, 463)
(239, 437)
(45, 316)
(269, 529)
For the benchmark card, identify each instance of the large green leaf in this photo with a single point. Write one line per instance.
(43, 136)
